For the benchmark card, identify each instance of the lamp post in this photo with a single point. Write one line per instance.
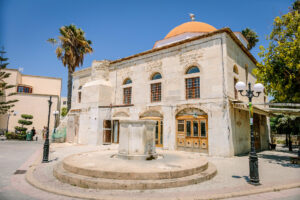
(55, 113)
(253, 160)
(46, 144)
(14, 113)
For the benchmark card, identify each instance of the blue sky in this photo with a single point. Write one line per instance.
(117, 28)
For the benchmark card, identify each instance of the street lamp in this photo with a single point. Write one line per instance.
(14, 113)
(253, 160)
(46, 144)
(55, 113)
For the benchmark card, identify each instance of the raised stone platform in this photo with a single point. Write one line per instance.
(103, 170)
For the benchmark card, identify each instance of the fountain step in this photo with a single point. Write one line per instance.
(104, 165)
(134, 175)
(104, 183)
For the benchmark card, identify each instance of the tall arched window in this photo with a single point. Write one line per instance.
(127, 92)
(192, 85)
(156, 88)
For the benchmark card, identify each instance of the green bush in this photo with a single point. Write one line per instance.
(24, 122)
(8, 135)
(14, 136)
(25, 116)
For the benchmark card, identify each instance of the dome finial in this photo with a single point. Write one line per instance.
(192, 16)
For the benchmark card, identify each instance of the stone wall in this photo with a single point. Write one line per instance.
(214, 56)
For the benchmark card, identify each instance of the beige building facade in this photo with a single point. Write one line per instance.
(185, 83)
(32, 93)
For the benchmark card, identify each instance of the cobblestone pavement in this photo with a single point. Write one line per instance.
(232, 176)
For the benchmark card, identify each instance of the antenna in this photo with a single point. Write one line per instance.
(192, 16)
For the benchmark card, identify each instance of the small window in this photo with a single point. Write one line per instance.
(235, 69)
(127, 81)
(156, 76)
(188, 128)
(192, 86)
(203, 129)
(127, 95)
(180, 125)
(24, 89)
(79, 97)
(155, 92)
(192, 70)
(195, 127)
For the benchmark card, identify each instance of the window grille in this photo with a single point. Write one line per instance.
(155, 92)
(192, 88)
(127, 96)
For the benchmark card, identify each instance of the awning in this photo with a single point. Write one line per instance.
(270, 108)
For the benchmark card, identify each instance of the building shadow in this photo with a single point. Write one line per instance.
(283, 160)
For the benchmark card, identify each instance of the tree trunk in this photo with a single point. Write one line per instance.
(290, 143)
(70, 83)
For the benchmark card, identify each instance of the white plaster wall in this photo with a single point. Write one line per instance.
(215, 62)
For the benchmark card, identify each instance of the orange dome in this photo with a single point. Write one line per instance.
(191, 27)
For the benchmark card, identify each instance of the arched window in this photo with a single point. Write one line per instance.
(192, 70)
(156, 76)
(127, 81)
(156, 88)
(192, 84)
(235, 69)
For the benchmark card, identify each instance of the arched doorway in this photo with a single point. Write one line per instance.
(156, 116)
(192, 134)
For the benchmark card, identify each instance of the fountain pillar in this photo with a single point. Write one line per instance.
(137, 140)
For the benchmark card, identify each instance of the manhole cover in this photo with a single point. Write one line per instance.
(20, 172)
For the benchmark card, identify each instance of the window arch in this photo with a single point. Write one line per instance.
(127, 81)
(156, 76)
(192, 70)
(235, 69)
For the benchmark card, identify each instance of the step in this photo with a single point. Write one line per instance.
(104, 165)
(113, 184)
(135, 175)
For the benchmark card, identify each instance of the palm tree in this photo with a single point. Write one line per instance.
(251, 36)
(71, 49)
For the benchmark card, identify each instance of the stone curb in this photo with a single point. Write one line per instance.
(34, 182)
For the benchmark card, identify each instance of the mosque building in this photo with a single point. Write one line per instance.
(185, 83)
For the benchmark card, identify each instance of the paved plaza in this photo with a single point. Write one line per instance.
(275, 172)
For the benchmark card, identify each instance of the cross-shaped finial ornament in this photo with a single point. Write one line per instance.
(192, 16)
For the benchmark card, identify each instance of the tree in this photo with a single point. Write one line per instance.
(5, 104)
(279, 70)
(25, 121)
(251, 36)
(72, 47)
(288, 125)
(64, 112)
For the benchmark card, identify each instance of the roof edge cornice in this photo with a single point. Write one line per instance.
(222, 30)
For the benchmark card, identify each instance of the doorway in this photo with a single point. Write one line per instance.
(192, 133)
(106, 131)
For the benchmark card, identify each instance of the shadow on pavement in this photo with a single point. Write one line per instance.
(282, 160)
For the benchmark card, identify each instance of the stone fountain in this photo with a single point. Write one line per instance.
(134, 166)
(137, 140)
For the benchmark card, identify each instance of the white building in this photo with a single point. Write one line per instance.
(185, 83)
